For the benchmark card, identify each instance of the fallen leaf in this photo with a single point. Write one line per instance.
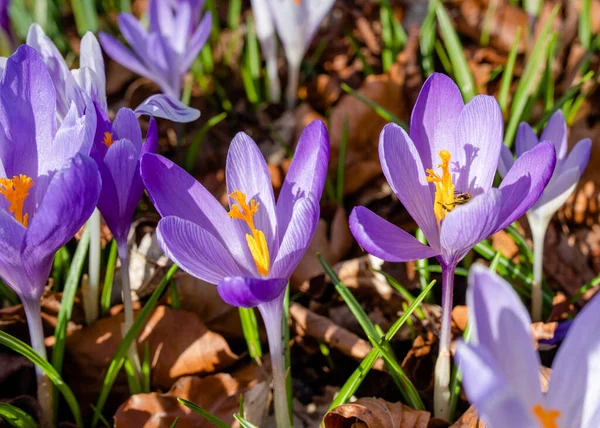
(375, 413)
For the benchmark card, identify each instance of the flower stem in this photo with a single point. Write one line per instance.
(291, 93)
(274, 83)
(36, 334)
(272, 313)
(92, 291)
(128, 308)
(441, 398)
(538, 227)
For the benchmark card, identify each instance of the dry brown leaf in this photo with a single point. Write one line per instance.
(375, 413)
(219, 394)
(307, 323)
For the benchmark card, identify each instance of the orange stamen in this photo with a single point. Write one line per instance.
(546, 418)
(444, 189)
(15, 191)
(108, 139)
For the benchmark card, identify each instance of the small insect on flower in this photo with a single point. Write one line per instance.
(460, 198)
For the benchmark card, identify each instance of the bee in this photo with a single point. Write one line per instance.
(460, 198)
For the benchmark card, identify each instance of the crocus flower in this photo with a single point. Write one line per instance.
(296, 22)
(500, 366)
(265, 32)
(443, 173)
(48, 186)
(166, 51)
(561, 186)
(250, 252)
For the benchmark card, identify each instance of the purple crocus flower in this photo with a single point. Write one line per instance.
(48, 187)
(500, 366)
(443, 173)
(561, 186)
(296, 22)
(250, 252)
(165, 53)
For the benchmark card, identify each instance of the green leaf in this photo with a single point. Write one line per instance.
(16, 417)
(250, 329)
(507, 75)
(403, 291)
(243, 422)
(120, 356)
(462, 73)
(209, 416)
(354, 381)
(108, 279)
(26, 350)
(585, 24)
(584, 288)
(84, 12)
(66, 305)
(427, 38)
(174, 424)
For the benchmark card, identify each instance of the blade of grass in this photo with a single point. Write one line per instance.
(584, 288)
(507, 75)
(192, 153)
(250, 329)
(108, 279)
(28, 352)
(443, 57)
(354, 381)
(403, 291)
(120, 356)
(219, 423)
(381, 111)
(422, 265)
(16, 417)
(243, 422)
(174, 424)
(102, 418)
(427, 38)
(174, 295)
(146, 375)
(462, 73)
(585, 24)
(527, 83)
(487, 22)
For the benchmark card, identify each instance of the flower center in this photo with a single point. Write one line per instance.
(15, 191)
(256, 242)
(444, 189)
(546, 418)
(108, 139)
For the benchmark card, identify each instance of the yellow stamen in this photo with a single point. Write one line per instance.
(546, 418)
(256, 242)
(444, 189)
(298, 2)
(108, 139)
(15, 191)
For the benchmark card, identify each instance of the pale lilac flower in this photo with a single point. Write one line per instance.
(500, 365)
(265, 32)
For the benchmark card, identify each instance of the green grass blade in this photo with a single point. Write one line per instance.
(462, 73)
(527, 83)
(192, 153)
(174, 424)
(584, 288)
(174, 295)
(381, 111)
(250, 329)
(234, 13)
(108, 279)
(422, 265)
(26, 350)
(102, 418)
(207, 415)
(354, 381)
(427, 38)
(121, 354)
(146, 370)
(507, 75)
(403, 291)
(243, 422)
(585, 24)
(16, 417)
(66, 305)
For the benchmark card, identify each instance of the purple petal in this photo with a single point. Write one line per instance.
(556, 132)
(103, 125)
(196, 250)
(468, 224)
(506, 161)
(385, 240)
(307, 173)
(166, 107)
(502, 326)
(405, 173)
(246, 171)
(176, 193)
(91, 57)
(479, 133)
(297, 237)
(525, 182)
(434, 119)
(250, 292)
(11, 264)
(556, 193)
(197, 42)
(494, 398)
(27, 112)
(316, 10)
(525, 139)
(69, 201)
(151, 144)
(133, 31)
(575, 384)
(579, 156)
(126, 126)
(181, 25)
(119, 53)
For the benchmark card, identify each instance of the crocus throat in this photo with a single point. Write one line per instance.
(444, 189)
(108, 139)
(256, 242)
(16, 190)
(546, 417)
